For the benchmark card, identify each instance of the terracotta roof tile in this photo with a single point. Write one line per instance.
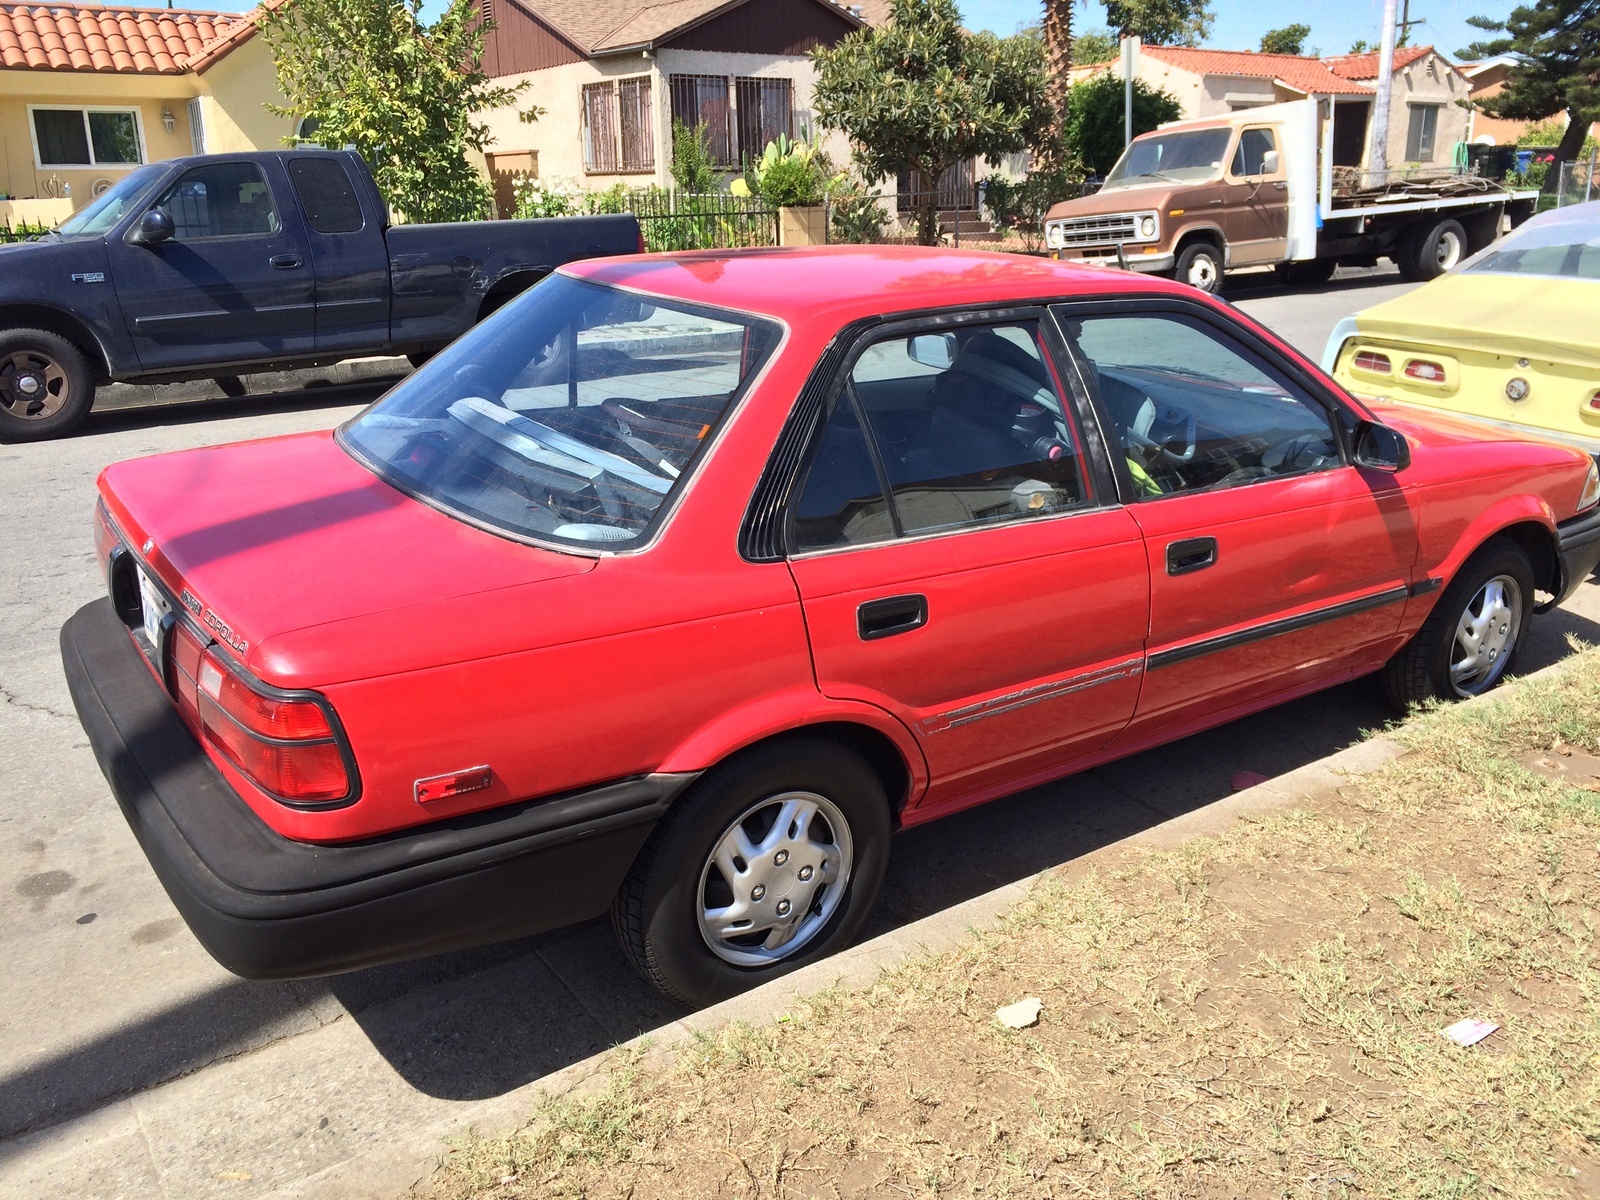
(114, 39)
(1309, 75)
(1365, 66)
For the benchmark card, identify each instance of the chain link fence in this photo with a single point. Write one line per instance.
(1579, 181)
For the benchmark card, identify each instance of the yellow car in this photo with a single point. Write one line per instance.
(1511, 336)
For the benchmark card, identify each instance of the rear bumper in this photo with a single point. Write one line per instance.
(1578, 549)
(270, 908)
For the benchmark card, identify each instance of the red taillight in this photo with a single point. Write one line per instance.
(1594, 402)
(1369, 360)
(1428, 372)
(286, 747)
(105, 538)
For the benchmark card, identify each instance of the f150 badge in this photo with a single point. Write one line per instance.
(89, 277)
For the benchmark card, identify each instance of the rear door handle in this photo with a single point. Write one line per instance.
(285, 262)
(1191, 554)
(891, 615)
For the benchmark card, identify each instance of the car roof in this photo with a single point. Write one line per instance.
(847, 283)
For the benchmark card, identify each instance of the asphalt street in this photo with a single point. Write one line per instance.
(118, 1032)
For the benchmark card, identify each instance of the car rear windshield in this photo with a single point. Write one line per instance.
(572, 417)
(1551, 251)
(1184, 157)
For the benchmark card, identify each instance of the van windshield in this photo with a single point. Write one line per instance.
(1182, 156)
(571, 417)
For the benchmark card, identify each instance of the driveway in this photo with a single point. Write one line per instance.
(131, 1064)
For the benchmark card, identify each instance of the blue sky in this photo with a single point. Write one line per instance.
(1335, 24)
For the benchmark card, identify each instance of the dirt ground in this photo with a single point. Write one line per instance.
(1255, 1015)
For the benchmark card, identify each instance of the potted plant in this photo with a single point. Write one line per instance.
(790, 177)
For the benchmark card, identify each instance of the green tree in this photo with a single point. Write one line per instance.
(921, 94)
(374, 75)
(1095, 117)
(1094, 46)
(1161, 22)
(1291, 39)
(1360, 46)
(1556, 48)
(693, 168)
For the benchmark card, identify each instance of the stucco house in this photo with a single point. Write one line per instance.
(88, 92)
(613, 75)
(1427, 116)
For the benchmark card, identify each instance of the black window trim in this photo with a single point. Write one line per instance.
(1230, 331)
(837, 383)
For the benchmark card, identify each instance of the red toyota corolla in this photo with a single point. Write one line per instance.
(682, 583)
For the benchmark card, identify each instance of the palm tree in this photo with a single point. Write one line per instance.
(1058, 58)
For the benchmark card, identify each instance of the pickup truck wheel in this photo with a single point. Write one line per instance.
(771, 861)
(1200, 266)
(1474, 633)
(45, 386)
(1432, 250)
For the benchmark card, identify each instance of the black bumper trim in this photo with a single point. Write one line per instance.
(269, 907)
(1577, 552)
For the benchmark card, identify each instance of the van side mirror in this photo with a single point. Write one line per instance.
(1381, 448)
(1269, 163)
(936, 350)
(154, 228)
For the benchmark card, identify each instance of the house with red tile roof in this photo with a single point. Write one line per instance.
(90, 91)
(613, 76)
(1428, 113)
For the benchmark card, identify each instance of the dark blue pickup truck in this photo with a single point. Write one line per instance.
(218, 265)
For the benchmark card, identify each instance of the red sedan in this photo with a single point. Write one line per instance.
(682, 583)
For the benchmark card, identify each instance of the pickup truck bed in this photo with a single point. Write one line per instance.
(218, 265)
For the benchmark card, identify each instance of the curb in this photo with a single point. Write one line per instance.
(407, 1165)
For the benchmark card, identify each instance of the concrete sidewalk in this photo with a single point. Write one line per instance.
(317, 1116)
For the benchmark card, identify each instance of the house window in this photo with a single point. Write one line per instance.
(197, 127)
(1420, 136)
(636, 125)
(86, 137)
(701, 102)
(765, 110)
(617, 126)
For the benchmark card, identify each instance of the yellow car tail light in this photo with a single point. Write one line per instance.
(1423, 369)
(1593, 403)
(1371, 360)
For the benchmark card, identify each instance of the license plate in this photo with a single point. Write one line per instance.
(154, 606)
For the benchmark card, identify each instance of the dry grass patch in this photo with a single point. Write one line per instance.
(1255, 1015)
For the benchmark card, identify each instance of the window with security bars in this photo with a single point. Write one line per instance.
(765, 111)
(599, 127)
(700, 102)
(638, 141)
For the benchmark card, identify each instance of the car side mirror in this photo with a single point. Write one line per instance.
(154, 228)
(1269, 163)
(1381, 448)
(936, 350)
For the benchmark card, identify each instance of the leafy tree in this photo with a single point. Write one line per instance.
(694, 169)
(1291, 39)
(921, 94)
(1094, 46)
(1360, 46)
(1556, 47)
(1095, 117)
(1161, 22)
(374, 75)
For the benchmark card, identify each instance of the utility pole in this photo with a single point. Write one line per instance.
(1378, 159)
(1130, 53)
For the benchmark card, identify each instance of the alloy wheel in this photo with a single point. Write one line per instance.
(33, 386)
(1486, 635)
(774, 879)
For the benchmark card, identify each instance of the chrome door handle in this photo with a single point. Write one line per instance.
(285, 262)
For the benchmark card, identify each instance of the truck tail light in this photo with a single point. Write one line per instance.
(1371, 360)
(285, 746)
(1428, 372)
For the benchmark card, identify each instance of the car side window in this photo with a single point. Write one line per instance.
(1193, 409)
(968, 426)
(1251, 157)
(220, 200)
(326, 195)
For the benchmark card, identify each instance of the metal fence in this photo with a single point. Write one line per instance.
(702, 221)
(1579, 181)
(21, 233)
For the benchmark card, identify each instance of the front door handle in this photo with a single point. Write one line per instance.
(891, 615)
(1191, 554)
(285, 262)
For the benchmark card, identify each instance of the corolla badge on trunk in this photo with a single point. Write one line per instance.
(213, 622)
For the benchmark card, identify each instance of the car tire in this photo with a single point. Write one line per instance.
(1458, 653)
(46, 388)
(1431, 250)
(671, 915)
(1200, 266)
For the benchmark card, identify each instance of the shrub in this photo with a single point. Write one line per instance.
(693, 168)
